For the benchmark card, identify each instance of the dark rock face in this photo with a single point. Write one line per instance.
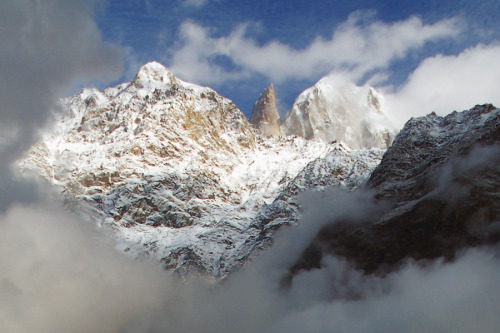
(426, 144)
(440, 182)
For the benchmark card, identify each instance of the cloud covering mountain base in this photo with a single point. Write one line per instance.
(59, 275)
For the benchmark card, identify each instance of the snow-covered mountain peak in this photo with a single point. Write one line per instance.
(153, 72)
(333, 109)
(180, 174)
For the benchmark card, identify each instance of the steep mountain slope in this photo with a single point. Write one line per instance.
(334, 110)
(180, 175)
(438, 186)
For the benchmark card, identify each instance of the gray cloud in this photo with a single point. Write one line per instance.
(58, 275)
(480, 158)
(48, 47)
(457, 297)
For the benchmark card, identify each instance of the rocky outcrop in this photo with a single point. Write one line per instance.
(333, 110)
(439, 188)
(264, 115)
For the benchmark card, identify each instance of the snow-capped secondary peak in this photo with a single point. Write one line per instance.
(337, 110)
(265, 115)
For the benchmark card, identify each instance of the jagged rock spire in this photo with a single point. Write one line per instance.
(265, 115)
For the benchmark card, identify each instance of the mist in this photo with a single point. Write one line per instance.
(49, 48)
(462, 295)
(59, 274)
(459, 296)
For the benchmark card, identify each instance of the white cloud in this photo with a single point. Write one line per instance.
(352, 49)
(458, 297)
(447, 83)
(192, 61)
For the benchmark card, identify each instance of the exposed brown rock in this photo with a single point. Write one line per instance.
(265, 115)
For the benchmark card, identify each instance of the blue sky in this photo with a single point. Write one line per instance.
(239, 47)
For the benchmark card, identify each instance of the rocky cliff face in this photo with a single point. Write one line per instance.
(264, 115)
(179, 174)
(439, 188)
(337, 111)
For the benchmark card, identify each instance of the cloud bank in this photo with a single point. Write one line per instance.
(462, 296)
(55, 275)
(58, 275)
(458, 297)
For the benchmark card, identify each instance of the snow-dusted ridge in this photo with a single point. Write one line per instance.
(179, 174)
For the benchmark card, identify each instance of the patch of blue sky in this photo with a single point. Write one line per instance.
(150, 29)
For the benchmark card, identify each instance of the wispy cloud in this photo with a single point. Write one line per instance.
(354, 49)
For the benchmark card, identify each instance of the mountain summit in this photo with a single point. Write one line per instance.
(333, 110)
(178, 173)
(153, 73)
(265, 115)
